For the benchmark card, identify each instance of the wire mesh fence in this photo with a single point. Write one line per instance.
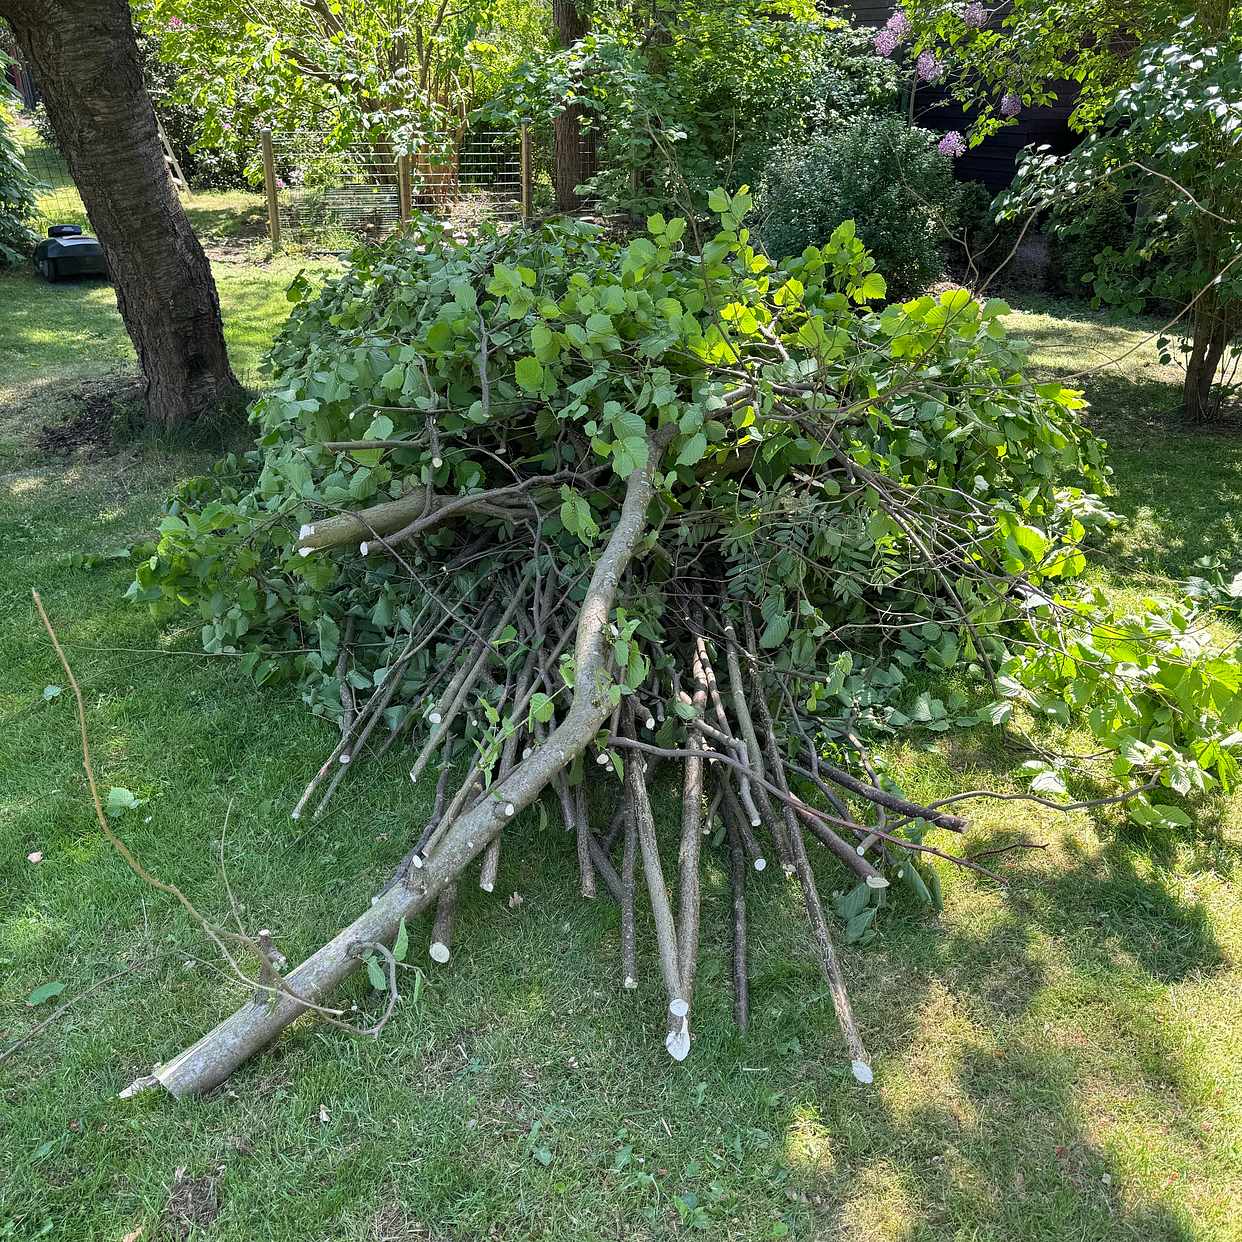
(57, 200)
(331, 198)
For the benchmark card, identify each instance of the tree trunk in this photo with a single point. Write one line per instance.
(1200, 403)
(85, 57)
(573, 149)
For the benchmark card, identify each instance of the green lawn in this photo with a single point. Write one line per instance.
(1058, 1062)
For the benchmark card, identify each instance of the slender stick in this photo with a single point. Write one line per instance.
(491, 865)
(741, 983)
(586, 869)
(677, 1041)
(629, 945)
(688, 891)
(740, 821)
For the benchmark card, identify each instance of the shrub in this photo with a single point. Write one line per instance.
(883, 174)
(1095, 225)
(17, 202)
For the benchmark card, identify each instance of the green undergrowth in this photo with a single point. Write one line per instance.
(1056, 1061)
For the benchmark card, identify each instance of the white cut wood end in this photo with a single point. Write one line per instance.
(862, 1072)
(629, 983)
(345, 757)
(678, 1042)
(305, 551)
(487, 888)
(510, 810)
(439, 952)
(363, 547)
(435, 718)
(679, 1007)
(876, 881)
(760, 863)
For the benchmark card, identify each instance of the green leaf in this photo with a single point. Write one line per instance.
(376, 973)
(50, 692)
(401, 946)
(120, 800)
(380, 428)
(693, 449)
(44, 992)
(541, 707)
(529, 373)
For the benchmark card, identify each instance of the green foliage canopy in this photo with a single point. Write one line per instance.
(882, 485)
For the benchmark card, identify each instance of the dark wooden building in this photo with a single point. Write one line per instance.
(993, 161)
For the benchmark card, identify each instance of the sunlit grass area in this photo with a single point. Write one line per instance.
(1056, 1061)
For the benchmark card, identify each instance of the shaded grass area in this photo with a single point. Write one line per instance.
(1055, 1062)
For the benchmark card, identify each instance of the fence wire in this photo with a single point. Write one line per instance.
(330, 199)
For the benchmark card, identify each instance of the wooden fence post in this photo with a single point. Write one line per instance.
(403, 188)
(269, 180)
(527, 175)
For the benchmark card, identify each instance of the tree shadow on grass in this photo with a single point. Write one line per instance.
(1007, 1043)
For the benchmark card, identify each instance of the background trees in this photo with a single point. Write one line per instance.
(1160, 98)
(86, 59)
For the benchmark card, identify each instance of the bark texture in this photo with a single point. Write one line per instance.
(573, 154)
(85, 57)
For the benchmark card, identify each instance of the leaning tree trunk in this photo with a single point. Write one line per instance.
(573, 148)
(1211, 336)
(85, 57)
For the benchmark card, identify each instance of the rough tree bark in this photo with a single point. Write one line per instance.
(85, 57)
(573, 154)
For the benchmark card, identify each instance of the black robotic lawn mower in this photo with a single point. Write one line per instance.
(67, 251)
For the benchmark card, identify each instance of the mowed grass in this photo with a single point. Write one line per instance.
(1058, 1061)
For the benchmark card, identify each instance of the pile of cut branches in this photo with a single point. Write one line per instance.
(549, 507)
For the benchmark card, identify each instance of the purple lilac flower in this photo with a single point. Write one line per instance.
(899, 25)
(928, 67)
(885, 42)
(975, 15)
(1010, 104)
(175, 23)
(952, 144)
(280, 183)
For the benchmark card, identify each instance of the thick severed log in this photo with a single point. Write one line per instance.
(441, 947)
(677, 1040)
(251, 1028)
(741, 979)
(381, 519)
(419, 510)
